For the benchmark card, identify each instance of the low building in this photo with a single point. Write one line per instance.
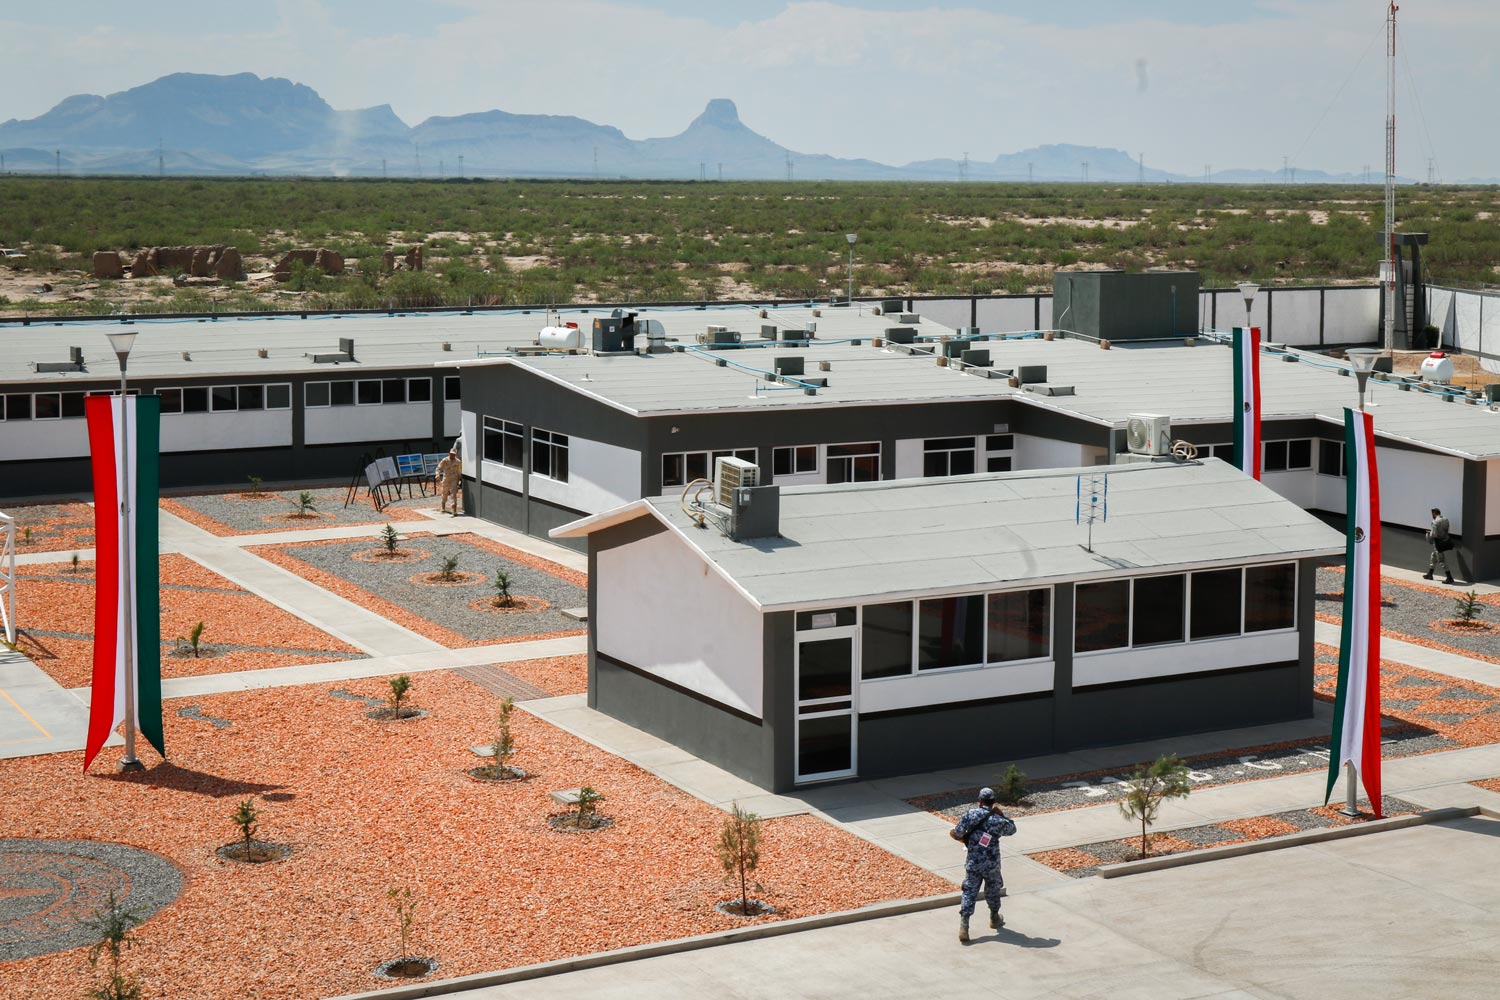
(898, 627)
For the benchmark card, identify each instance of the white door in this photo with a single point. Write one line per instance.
(826, 712)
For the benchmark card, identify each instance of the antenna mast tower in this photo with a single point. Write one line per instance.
(1388, 268)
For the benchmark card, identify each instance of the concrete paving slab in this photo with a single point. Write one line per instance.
(37, 715)
(1424, 657)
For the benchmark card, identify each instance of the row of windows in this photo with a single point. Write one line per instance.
(225, 398)
(1293, 455)
(371, 391)
(847, 463)
(504, 441)
(48, 405)
(682, 467)
(960, 456)
(1163, 610)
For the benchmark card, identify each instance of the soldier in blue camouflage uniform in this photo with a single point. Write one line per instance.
(980, 830)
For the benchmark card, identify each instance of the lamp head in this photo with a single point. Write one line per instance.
(121, 343)
(1249, 290)
(1362, 359)
(851, 237)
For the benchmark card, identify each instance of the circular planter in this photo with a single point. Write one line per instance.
(568, 823)
(517, 606)
(261, 852)
(485, 773)
(755, 908)
(406, 967)
(1450, 627)
(435, 579)
(386, 556)
(406, 714)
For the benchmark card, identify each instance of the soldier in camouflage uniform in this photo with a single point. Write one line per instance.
(450, 480)
(980, 830)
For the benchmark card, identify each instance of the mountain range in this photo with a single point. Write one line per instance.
(242, 124)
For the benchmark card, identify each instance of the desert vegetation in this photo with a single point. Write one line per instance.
(498, 242)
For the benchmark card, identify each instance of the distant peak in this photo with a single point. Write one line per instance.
(720, 112)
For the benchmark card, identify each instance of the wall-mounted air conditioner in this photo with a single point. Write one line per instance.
(1149, 434)
(731, 474)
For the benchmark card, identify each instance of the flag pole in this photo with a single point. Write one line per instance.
(1363, 362)
(130, 762)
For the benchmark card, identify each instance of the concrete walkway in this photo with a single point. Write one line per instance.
(37, 715)
(1406, 913)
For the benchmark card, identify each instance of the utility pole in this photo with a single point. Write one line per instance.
(596, 161)
(1367, 174)
(1284, 168)
(418, 147)
(460, 164)
(1029, 173)
(789, 166)
(1207, 168)
(1085, 171)
(963, 168)
(721, 172)
(1388, 268)
(57, 170)
(442, 169)
(1294, 175)
(702, 171)
(161, 160)
(1429, 171)
(1140, 171)
(383, 174)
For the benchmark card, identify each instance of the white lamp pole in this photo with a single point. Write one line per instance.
(1249, 290)
(851, 237)
(121, 343)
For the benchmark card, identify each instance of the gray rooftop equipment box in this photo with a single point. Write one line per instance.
(1117, 305)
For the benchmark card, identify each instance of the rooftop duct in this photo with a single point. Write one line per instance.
(73, 364)
(345, 353)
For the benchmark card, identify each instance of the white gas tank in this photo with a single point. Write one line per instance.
(561, 338)
(1437, 367)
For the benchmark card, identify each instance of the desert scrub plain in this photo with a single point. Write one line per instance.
(500, 242)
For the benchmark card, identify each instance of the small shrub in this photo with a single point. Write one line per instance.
(75, 562)
(305, 505)
(739, 851)
(399, 687)
(1011, 788)
(26, 535)
(1166, 778)
(193, 641)
(449, 571)
(390, 537)
(1466, 608)
(406, 910)
(244, 817)
(504, 744)
(113, 925)
(255, 482)
(502, 589)
(588, 807)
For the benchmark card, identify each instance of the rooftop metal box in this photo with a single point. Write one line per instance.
(1117, 305)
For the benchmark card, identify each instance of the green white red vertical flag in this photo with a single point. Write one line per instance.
(125, 552)
(1247, 400)
(1356, 708)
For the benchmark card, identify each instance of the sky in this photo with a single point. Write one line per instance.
(1187, 83)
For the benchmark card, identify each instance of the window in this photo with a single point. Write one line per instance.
(682, 467)
(999, 452)
(195, 399)
(854, 463)
(1019, 625)
(279, 397)
(341, 393)
(18, 406)
(316, 394)
(1287, 456)
(1216, 603)
(950, 632)
(1157, 610)
(224, 397)
(419, 390)
(794, 461)
(392, 390)
(948, 457)
(885, 646)
(1331, 459)
(47, 406)
(503, 442)
(367, 394)
(72, 404)
(1270, 597)
(252, 397)
(549, 454)
(1223, 452)
(451, 385)
(1101, 617)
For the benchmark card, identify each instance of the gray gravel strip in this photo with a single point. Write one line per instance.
(1411, 611)
(449, 606)
(250, 515)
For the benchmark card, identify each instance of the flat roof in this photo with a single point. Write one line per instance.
(229, 346)
(901, 539)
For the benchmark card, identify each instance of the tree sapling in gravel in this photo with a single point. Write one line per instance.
(1467, 609)
(255, 482)
(399, 687)
(114, 925)
(505, 744)
(389, 537)
(305, 505)
(588, 807)
(449, 571)
(1166, 778)
(244, 817)
(739, 853)
(502, 589)
(1011, 788)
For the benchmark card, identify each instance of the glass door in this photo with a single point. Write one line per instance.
(826, 729)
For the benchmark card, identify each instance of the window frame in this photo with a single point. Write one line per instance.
(744, 454)
(795, 453)
(426, 384)
(456, 382)
(556, 445)
(914, 630)
(948, 448)
(829, 459)
(509, 431)
(307, 389)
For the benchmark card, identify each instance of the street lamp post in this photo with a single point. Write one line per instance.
(1249, 290)
(851, 237)
(121, 343)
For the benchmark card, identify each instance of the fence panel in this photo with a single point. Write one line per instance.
(1351, 316)
(1294, 316)
(1014, 315)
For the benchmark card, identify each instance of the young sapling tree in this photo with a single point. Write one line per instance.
(305, 505)
(1166, 778)
(113, 925)
(588, 807)
(255, 482)
(390, 538)
(245, 816)
(449, 571)
(399, 688)
(739, 851)
(1011, 788)
(505, 744)
(502, 589)
(1466, 608)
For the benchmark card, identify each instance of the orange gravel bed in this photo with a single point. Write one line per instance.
(1488, 784)
(1481, 729)
(557, 675)
(63, 601)
(1417, 640)
(55, 527)
(284, 555)
(367, 806)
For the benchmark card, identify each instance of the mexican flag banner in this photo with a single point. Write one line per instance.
(1356, 708)
(124, 448)
(1247, 400)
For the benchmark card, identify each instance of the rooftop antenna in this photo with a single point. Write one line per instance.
(1388, 267)
(1092, 503)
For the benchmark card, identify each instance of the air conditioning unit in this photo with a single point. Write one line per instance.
(732, 474)
(1149, 434)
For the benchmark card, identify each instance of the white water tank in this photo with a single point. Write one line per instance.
(567, 337)
(1437, 367)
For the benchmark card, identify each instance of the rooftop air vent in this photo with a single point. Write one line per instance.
(345, 353)
(73, 364)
